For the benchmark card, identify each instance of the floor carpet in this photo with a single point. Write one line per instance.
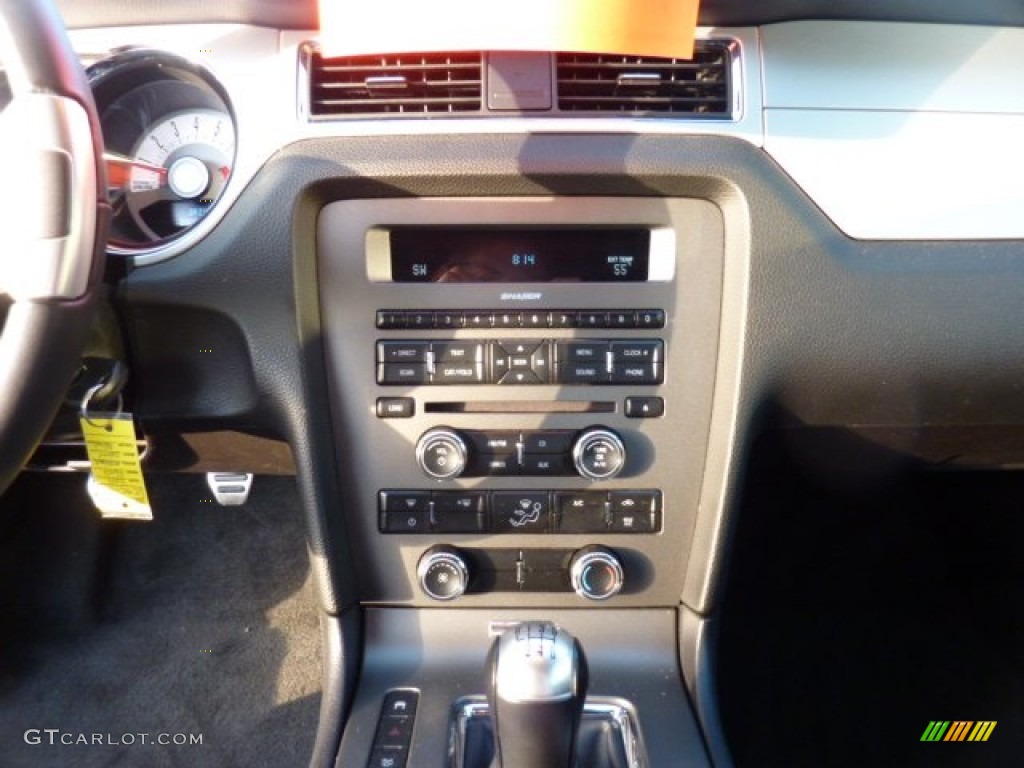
(200, 626)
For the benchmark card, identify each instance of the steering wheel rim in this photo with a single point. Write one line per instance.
(52, 223)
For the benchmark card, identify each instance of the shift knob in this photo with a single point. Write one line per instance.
(537, 685)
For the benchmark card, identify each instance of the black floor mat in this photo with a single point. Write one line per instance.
(854, 616)
(115, 637)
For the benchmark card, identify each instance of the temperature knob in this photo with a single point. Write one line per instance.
(596, 573)
(442, 453)
(598, 453)
(443, 573)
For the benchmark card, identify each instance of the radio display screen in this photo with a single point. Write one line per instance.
(519, 255)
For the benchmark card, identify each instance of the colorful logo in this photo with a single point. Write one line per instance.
(958, 730)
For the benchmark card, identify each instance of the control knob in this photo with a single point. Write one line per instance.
(443, 573)
(596, 573)
(441, 453)
(598, 453)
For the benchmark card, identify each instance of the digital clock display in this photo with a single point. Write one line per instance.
(519, 255)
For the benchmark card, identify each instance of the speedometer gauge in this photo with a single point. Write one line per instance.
(169, 138)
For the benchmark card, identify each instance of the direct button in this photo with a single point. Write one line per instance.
(402, 351)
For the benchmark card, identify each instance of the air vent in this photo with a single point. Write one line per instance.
(415, 85)
(648, 85)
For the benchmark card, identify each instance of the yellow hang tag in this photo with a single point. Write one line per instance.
(116, 485)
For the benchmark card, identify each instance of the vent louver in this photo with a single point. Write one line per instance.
(648, 85)
(417, 85)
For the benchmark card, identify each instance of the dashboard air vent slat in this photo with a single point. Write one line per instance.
(407, 84)
(648, 85)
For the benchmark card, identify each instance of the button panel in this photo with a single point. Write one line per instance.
(394, 730)
(394, 319)
(520, 362)
(531, 511)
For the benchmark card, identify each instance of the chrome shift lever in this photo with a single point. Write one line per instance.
(537, 685)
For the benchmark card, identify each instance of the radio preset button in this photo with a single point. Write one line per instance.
(650, 318)
(479, 320)
(536, 319)
(508, 320)
(419, 320)
(592, 320)
(622, 319)
(388, 319)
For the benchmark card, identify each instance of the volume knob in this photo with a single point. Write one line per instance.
(598, 453)
(442, 453)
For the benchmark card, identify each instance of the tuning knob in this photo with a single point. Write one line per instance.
(442, 453)
(598, 453)
(443, 573)
(596, 573)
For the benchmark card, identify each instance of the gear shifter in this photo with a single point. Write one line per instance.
(537, 685)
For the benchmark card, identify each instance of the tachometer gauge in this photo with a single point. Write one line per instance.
(169, 140)
(178, 170)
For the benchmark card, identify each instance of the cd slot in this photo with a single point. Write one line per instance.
(520, 406)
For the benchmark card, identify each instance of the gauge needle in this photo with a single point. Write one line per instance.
(119, 170)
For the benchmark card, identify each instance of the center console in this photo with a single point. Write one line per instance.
(521, 396)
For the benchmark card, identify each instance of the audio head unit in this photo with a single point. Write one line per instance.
(521, 254)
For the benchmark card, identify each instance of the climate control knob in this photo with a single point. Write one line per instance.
(596, 573)
(443, 573)
(598, 453)
(442, 453)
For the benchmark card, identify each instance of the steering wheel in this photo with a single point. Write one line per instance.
(53, 216)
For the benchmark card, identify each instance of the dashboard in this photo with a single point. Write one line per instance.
(519, 333)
